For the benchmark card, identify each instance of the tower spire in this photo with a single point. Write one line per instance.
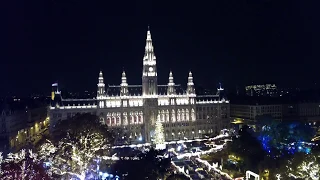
(149, 51)
(149, 73)
(124, 85)
(101, 86)
(171, 90)
(190, 89)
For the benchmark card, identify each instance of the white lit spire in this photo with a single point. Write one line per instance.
(124, 85)
(124, 79)
(171, 89)
(100, 77)
(170, 79)
(190, 79)
(149, 50)
(190, 89)
(220, 89)
(101, 85)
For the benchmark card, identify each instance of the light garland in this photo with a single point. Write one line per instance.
(73, 155)
(308, 169)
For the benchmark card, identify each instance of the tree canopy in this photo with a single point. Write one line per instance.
(81, 124)
(76, 144)
(23, 165)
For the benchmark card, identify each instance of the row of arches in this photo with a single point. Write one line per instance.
(176, 116)
(126, 118)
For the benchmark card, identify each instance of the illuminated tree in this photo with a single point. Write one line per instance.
(304, 166)
(83, 139)
(159, 136)
(23, 165)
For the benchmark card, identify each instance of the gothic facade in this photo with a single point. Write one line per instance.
(136, 108)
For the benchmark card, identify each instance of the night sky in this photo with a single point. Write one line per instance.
(234, 42)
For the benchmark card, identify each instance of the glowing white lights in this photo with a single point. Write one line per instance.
(250, 173)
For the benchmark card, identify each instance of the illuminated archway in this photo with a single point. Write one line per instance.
(250, 173)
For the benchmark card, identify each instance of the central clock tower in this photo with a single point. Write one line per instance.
(149, 88)
(149, 74)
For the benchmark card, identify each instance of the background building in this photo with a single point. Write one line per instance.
(301, 108)
(22, 124)
(262, 90)
(136, 108)
(251, 112)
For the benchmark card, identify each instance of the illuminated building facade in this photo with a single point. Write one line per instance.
(262, 90)
(22, 126)
(136, 108)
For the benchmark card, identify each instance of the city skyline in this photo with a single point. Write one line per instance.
(263, 41)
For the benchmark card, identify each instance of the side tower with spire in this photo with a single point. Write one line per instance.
(171, 89)
(101, 90)
(190, 85)
(124, 85)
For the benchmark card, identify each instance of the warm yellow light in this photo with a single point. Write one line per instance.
(52, 95)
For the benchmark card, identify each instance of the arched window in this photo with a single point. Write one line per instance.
(178, 115)
(162, 116)
(182, 115)
(113, 121)
(118, 120)
(131, 119)
(173, 116)
(140, 117)
(108, 121)
(136, 119)
(125, 118)
(187, 115)
(167, 116)
(193, 115)
(102, 121)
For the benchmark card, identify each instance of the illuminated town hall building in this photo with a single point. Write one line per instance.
(136, 108)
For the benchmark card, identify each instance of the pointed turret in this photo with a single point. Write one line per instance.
(220, 91)
(149, 74)
(149, 51)
(124, 85)
(190, 89)
(171, 90)
(101, 86)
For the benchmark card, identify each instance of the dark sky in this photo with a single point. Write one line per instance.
(230, 41)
